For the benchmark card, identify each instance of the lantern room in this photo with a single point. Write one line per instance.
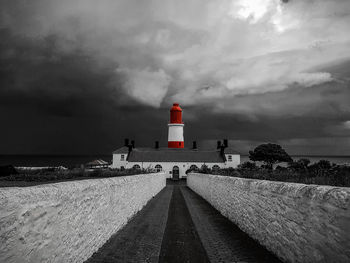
(175, 114)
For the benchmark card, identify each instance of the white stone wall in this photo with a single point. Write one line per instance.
(298, 222)
(69, 221)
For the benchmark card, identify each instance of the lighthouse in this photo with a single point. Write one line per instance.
(176, 128)
(175, 160)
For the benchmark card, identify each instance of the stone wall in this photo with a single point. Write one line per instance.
(69, 221)
(297, 222)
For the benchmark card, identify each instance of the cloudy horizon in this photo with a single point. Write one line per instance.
(79, 76)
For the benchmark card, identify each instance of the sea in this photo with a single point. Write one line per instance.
(343, 159)
(70, 161)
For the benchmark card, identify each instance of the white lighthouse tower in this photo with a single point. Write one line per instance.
(176, 128)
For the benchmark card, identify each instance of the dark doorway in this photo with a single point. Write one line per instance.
(176, 173)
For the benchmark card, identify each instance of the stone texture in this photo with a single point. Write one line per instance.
(297, 222)
(69, 221)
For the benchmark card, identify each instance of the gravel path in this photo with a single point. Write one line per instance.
(178, 225)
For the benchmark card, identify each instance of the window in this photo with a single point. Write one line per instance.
(122, 157)
(229, 158)
(158, 168)
(216, 167)
(136, 167)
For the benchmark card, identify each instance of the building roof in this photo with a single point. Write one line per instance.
(173, 155)
(123, 149)
(229, 150)
(97, 162)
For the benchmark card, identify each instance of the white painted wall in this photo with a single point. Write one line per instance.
(176, 132)
(236, 159)
(183, 166)
(168, 166)
(298, 222)
(117, 160)
(69, 221)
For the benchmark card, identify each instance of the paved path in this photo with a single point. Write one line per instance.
(177, 225)
(222, 239)
(181, 242)
(141, 239)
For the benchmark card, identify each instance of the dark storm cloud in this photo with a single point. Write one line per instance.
(44, 77)
(78, 76)
(62, 102)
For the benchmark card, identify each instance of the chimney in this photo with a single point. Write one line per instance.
(126, 142)
(157, 145)
(222, 150)
(133, 144)
(225, 143)
(130, 148)
(194, 147)
(218, 145)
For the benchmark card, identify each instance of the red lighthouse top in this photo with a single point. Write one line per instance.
(175, 114)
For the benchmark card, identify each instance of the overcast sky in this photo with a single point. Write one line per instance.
(78, 76)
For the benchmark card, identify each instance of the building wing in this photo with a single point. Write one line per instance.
(174, 155)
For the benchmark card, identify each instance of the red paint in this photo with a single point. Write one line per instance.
(176, 114)
(176, 118)
(176, 145)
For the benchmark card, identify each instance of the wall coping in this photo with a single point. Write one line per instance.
(338, 196)
(83, 181)
(66, 187)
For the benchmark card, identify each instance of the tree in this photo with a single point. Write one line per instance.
(269, 154)
(321, 168)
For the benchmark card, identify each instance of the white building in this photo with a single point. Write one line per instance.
(175, 160)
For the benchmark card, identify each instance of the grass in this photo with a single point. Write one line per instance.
(27, 177)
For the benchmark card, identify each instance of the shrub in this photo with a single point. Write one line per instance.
(204, 169)
(321, 173)
(45, 175)
(247, 166)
